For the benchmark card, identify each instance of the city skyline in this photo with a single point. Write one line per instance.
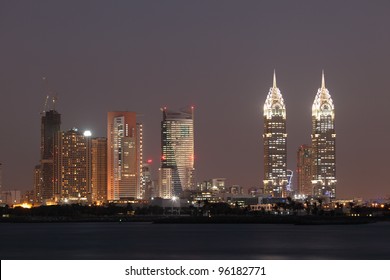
(215, 56)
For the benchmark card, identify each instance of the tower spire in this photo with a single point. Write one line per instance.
(323, 80)
(274, 84)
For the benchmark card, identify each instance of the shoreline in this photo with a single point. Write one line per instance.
(266, 219)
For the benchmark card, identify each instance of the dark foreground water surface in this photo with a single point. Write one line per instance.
(192, 241)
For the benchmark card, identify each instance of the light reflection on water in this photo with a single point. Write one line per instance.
(193, 241)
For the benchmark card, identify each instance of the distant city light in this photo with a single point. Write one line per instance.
(23, 205)
(149, 161)
(87, 133)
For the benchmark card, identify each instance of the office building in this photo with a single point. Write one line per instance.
(11, 197)
(323, 139)
(141, 180)
(147, 181)
(304, 170)
(177, 152)
(1, 181)
(99, 170)
(124, 154)
(275, 144)
(37, 183)
(218, 185)
(50, 126)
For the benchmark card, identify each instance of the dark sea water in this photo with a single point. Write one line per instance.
(192, 241)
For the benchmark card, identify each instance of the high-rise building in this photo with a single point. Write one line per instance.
(275, 144)
(218, 185)
(11, 197)
(147, 181)
(177, 152)
(50, 126)
(37, 183)
(28, 197)
(1, 181)
(99, 170)
(304, 169)
(323, 139)
(72, 161)
(215, 185)
(140, 156)
(124, 154)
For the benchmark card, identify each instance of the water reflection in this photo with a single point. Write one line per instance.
(210, 241)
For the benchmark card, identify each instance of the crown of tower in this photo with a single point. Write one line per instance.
(274, 103)
(323, 103)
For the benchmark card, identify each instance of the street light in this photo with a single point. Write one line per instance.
(173, 200)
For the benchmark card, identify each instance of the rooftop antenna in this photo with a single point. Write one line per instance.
(274, 83)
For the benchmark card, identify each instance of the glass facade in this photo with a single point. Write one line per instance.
(50, 126)
(177, 149)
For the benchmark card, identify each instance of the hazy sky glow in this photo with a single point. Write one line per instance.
(102, 56)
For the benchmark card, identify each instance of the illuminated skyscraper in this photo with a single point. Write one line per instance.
(37, 183)
(275, 144)
(177, 148)
(140, 156)
(124, 164)
(1, 181)
(147, 181)
(72, 161)
(304, 170)
(99, 170)
(50, 126)
(323, 139)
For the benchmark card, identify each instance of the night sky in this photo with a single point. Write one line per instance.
(219, 56)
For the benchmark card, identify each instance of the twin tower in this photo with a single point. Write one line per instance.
(320, 169)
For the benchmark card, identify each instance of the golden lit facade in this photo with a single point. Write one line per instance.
(304, 170)
(165, 182)
(72, 173)
(99, 170)
(177, 147)
(275, 144)
(124, 154)
(323, 139)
